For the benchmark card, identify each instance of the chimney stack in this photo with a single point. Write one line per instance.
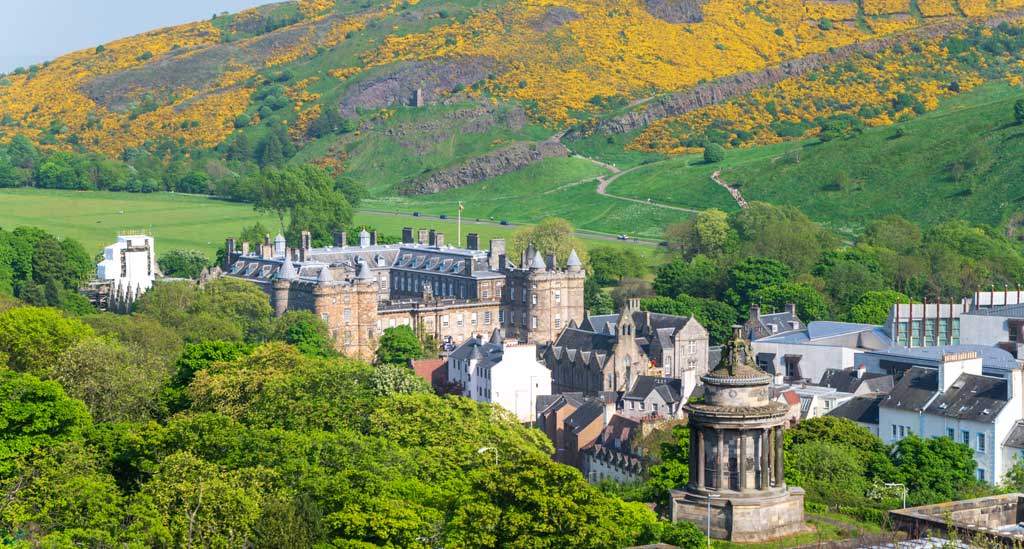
(439, 240)
(245, 248)
(432, 238)
(791, 308)
(472, 241)
(229, 252)
(755, 312)
(423, 236)
(550, 260)
(407, 235)
(497, 251)
(373, 237)
(339, 239)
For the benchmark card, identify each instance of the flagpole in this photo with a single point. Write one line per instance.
(459, 240)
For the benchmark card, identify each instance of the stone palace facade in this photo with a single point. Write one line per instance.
(448, 292)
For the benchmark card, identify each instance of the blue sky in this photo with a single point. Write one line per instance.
(32, 31)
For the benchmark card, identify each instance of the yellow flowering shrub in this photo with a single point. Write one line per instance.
(937, 8)
(882, 7)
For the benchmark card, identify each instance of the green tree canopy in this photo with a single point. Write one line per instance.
(553, 235)
(33, 339)
(750, 276)
(398, 345)
(810, 305)
(183, 263)
(873, 307)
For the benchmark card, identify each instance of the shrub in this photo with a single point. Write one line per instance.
(714, 153)
(825, 24)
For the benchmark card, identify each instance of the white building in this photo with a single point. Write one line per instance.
(501, 372)
(955, 400)
(130, 265)
(805, 355)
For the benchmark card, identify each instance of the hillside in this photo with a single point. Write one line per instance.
(422, 97)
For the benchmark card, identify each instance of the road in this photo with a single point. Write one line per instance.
(473, 221)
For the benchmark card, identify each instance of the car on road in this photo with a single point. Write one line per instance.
(415, 214)
(503, 222)
(623, 237)
(444, 216)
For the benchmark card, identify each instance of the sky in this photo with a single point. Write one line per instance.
(33, 31)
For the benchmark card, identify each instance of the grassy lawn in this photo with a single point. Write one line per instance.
(555, 187)
(962, 161)
(822, 532)
(194, 222)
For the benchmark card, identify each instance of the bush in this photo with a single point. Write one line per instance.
(825, 24)
(714, 153)
(242, 120)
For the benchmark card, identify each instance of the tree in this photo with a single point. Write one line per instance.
(1018, 111)
(552, 235)
(595, 300)
(182, 263)
(782, 233)
(674, 470)
(810, 305)
(307, 196)
(115, 383)
(271, 151)
(893, 232)
(353, 191)
(305, 331)
(35, 414)
(194, 182)
(934, 469)
(398, 345)
(714, 235)
(609, 265)
(699, 277)
(630, 288)
(713, 153)
(847, 280)
(396, 379)
(828, 472)
(32, 338)
(873, 307)
(753, 274)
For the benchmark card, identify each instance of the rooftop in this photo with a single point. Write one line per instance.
(992, 358)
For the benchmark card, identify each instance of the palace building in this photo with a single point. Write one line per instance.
(439, 290)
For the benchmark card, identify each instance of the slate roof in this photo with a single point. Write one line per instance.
(847, 381)
(824, 329)
(992, 358)
(669, 389)
(972, 397)
(913, 391)
(862, 409)
(485, 352)
(1016, 437)
(1009, 311)
(549, 403)
(714, 356)
(584, 416)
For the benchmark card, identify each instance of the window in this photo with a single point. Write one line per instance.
(558, 296)
(894, 431)
(497, 291)
(558, 321)
(472, 319)
(512, 320)
(487, 294)
(533, 323)
(951, 433)
(691, 346)
(981, 442)
(347, 315)
(828, 405)
(981, 475)
(965, 437)
(501, 317)
(533, 299)
(642, 405)
(391, 323)
(324, 316)
(512, 294)
(444, 321)
(903, 431)
(458, 320)
(487, 317)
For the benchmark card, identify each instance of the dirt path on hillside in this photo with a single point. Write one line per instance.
(604, 181)
(716, 176)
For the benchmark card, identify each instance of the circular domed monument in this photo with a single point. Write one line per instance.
(736, 456)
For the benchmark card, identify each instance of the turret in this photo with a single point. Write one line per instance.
(573, 264)
(283, 283)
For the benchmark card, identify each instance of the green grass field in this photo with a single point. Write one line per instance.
(961, 161)
(194, 222)
(555, 187)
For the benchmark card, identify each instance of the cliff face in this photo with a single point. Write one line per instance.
(482, 168)
(676, 11)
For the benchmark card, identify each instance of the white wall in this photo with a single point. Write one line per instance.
(140, 266)
(983, 330)
(815, 359)
(517, 381)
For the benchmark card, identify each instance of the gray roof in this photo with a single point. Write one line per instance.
(1008, 311)
(548, 403)
(584, 416)
(992, 358)
(824, 329)
(364, 271)
(538, 262)
(574, 260)
(325, 274)
(1016, 437)
(913, 391)
(971, 397)
(287, 271)
(669, 389)
(862, 409)
(714, 356)
(485, 353)
(848, 381)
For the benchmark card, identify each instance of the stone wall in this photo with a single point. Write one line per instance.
(980, 516)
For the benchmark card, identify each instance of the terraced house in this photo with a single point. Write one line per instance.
(439, 290)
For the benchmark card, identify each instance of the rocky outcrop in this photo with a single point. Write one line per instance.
(482, 168)
(397, 84)
(555, 16)
(676, 11)
(724, 89)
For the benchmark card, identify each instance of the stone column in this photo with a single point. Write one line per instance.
(771, 456)
(765, 472)
(693, 457)
(780, 474)
(701, 458)
(742, 461)
(723, 470)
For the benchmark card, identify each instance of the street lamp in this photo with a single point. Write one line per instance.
(710, 496)
(487, 449)
(899, 485)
